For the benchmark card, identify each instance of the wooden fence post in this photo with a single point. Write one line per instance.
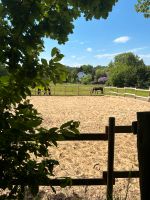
(65, 90)
(135, 93)
(143, 145)
(116, 91)
(110, 164)
(54, 90)
(124, 91)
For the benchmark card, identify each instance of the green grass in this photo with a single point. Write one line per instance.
(70, 90)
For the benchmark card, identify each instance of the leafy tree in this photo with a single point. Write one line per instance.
(128, 70)
(87, 69)
(117, 75)
(23, 26)
(86, 79)
(128, 59)
(143, 6)
(100, 72)
(72, 75)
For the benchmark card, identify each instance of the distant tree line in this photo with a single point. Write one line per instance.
(127, 70)
(85, 74)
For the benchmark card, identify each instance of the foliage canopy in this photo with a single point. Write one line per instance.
(23, 26)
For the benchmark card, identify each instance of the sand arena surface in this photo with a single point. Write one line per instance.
(89, 159)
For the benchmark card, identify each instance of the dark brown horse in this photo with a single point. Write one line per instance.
(96, 89)
(39, 91)
(47, 91)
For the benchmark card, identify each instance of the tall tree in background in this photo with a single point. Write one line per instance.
(128, 59)
(23, 26)
(72, 74)
(128, 70)
(87, 69)
(143, 6)
(100, 72)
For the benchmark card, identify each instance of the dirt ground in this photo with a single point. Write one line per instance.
(89, 159)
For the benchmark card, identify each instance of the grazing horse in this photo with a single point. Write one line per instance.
(39, 91)
(47, 90)
(96, 89)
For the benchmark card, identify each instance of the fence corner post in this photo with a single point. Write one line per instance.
(143, 146)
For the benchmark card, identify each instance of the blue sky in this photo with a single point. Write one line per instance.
(96, 42)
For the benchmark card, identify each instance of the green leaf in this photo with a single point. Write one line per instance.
(44, 62)
(58, 58)
(67, 124)
(54, 51)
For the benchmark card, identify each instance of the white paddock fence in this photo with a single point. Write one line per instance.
(137, 93)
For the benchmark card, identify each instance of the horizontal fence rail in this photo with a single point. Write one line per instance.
(76, 137)
(121, 129)
(85, 137)
(123, 174)
(80, 182)
(60, 181)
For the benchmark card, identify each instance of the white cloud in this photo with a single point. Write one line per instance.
(73, 56)
(136, 49)
(110, 56)
(89, 49)
(122, 39)
(107, 55)
(144, 55)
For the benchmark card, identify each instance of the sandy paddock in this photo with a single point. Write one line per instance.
(89, 159)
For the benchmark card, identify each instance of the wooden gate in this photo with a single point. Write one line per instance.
(142, 129)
